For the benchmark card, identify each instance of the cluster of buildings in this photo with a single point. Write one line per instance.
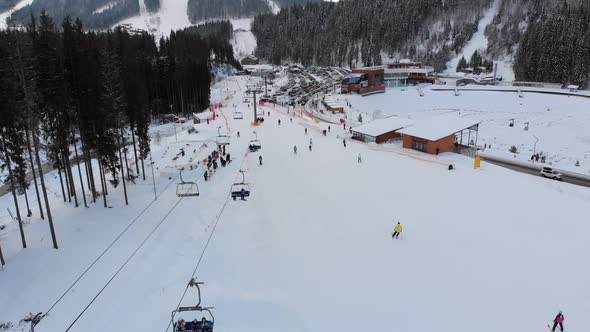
(438, 134)
(370, 80)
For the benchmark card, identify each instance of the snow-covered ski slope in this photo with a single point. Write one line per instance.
(3, 16)
(559, 122)
(478, 40)
(311, 249)
(173, 16)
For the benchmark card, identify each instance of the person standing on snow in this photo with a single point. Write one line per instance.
(360, 160)
(344, 142)
(260, 160)
(305, 131)
(295, 149)
(558, 321)
(397, 231)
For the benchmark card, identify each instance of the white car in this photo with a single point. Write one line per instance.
(548, 172)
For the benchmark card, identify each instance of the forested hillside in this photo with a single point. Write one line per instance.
(94, 13)
(351, 33)
(556, 45)
(199, 10)
(88, 95)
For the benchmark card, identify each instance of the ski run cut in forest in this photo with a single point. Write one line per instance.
(289, 165)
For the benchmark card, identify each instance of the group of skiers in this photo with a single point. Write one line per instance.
(212, 162)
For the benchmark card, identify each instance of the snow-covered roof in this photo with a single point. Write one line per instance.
(439, 127)
(383, 126)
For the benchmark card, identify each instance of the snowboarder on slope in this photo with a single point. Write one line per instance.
(558, 321)
(397, 231)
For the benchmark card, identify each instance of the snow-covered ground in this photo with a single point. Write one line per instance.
(559, 122)
(243, 41)
(479, 39)
(171, 16)
(6, 14)
(311, 249)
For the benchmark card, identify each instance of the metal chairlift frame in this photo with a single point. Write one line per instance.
(235, 193)
(182, 192)
(255, 142)
(222, 139)
(193, 283)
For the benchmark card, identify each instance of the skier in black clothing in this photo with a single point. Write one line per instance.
(344, 142)
(238, 134)
(279, 122)
(295, 149)
(305, 131)
(227, 158)
(328, 128)
(206, 175)
(260, 160)
(558, 321)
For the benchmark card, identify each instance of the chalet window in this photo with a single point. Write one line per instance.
(418, 146)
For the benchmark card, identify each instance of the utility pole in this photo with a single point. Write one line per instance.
(253, 89)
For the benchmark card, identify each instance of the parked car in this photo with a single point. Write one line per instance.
(548, 172)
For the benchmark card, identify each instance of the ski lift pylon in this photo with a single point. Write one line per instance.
(240, 189)
(203, 324)
(187, 188)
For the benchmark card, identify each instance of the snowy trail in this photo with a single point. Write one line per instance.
(310, 250)
(478, 41)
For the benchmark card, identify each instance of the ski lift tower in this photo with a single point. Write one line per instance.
(253, 89)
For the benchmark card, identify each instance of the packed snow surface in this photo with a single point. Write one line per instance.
(559, 122)
(311, 248)
(478, 41)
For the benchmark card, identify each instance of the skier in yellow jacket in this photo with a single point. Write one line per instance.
(396, 231)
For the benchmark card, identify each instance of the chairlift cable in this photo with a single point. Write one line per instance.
(124, 264)
(105, 250)
(217, 218)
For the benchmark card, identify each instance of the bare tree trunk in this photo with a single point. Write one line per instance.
(29, 212)
(13, 189)
(71, 177)
(142, 169)
(34, 175)
(122, 171)
(63, 192)
(135, 153)
(79, 170)
(103, 183)
(44, 189)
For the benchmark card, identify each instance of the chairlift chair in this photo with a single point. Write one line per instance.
(198, 324)
(254, 144)
(238, 115)
(222, 139)
(187, 188)
(240, 189)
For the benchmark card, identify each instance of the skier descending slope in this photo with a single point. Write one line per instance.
(295, 149)
(558, 321)
(397, 231)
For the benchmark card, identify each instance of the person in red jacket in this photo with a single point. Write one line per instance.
(558, 321)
